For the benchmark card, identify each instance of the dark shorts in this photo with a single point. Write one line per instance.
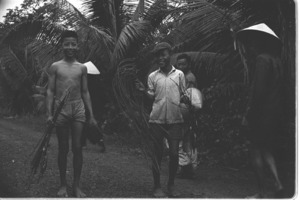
(73, 111)
(169, 131)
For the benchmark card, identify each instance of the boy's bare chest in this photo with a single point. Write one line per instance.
(69, 73)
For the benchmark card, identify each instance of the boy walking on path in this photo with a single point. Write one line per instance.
(165, 86)
(68, 73)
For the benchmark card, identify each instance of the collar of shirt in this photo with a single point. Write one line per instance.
(170, 72)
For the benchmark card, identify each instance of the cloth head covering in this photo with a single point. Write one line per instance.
(161, 46)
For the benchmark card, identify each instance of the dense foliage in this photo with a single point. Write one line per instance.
(119, 41)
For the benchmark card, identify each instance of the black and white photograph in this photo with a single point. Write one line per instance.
(148, 99)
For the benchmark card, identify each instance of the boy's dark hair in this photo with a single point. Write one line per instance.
(184, 56)
(68, 33)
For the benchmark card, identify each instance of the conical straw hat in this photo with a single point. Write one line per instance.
(262, 28)
(259, 28)
(260, 32)
(91, 68)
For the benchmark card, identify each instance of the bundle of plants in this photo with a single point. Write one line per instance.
(92, 133)
(38, 159)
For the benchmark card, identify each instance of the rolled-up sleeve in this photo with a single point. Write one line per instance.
(150, 90)
(182, 83)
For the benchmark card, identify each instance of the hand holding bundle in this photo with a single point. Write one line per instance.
(192, 97)
(39, 154)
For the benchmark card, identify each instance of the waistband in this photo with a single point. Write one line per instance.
(70, 101)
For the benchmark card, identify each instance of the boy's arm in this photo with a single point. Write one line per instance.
(182, 83)
(86, 97)
(50, 92)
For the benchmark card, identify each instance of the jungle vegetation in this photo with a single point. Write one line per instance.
(118, 39)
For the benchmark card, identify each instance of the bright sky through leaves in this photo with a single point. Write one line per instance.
(11, 4)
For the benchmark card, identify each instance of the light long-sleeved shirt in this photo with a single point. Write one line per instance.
(166, 90)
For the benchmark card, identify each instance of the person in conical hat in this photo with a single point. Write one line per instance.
(262, 36)
(263, 119)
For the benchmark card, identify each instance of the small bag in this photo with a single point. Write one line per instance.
(195, 97)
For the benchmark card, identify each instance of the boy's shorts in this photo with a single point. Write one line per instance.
(72, 111)
(169, 131)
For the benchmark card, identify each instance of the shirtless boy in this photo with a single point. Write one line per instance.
(64, 74)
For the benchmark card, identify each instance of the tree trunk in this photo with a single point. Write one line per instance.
(139, 10)
(112, 13)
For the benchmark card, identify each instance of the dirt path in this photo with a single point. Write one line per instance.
(116, 173)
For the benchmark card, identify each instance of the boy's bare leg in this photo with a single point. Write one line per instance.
(173, 166)
(77, 128)
(63, 149)
(156, 163)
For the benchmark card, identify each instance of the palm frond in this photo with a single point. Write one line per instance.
(201, 29)
(110, 14)
(96, 45)
(69, 11)
(144, 6)
(93, 42)
(228, 90)
(44, 54)
(21, 30)
(12, 68)
(132, 34)
(135, 33)
(157, 12)
(131, 102)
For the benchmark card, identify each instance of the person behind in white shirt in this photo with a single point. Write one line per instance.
(187, 149)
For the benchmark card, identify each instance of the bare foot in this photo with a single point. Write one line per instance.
(278, 186)
(173, 192)
(62, 192)
(78, 193)
(158, 193)
(255, 196)
(279, 194)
